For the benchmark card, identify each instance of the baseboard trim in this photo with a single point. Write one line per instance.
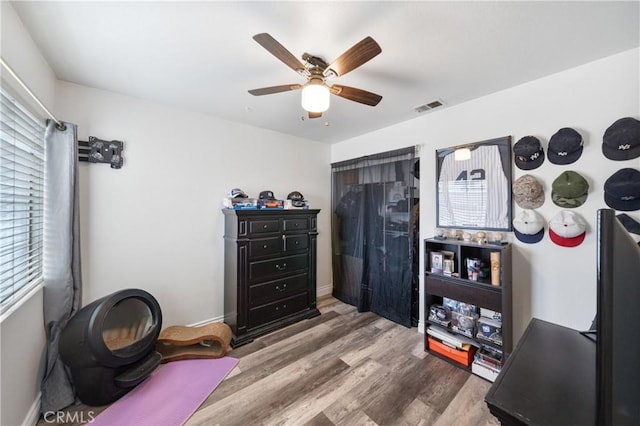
(324, 290)
(207, 321)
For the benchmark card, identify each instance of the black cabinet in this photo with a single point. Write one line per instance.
(549, 379)
(270, 270)
(475, 290)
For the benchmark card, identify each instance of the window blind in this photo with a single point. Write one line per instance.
(21, 199)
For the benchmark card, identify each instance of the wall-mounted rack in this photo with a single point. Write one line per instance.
(100, 151)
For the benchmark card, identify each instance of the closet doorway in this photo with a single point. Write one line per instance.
(374, 225)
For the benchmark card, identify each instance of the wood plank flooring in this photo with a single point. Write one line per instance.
(342, 368)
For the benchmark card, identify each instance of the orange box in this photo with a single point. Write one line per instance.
(461, 357)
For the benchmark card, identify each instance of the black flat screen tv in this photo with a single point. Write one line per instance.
(617, 324)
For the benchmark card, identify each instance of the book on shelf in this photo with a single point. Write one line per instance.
(454, 340)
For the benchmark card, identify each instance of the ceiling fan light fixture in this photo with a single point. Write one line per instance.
(315, 97)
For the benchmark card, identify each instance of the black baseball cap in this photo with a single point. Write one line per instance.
(629, 223)
(297, 199)
(528, 153)
(565, 146)
(621, 140)
(267, 195)
(622, 190)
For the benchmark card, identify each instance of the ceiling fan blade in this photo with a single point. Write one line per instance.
(274, 89)
(315, 114)
(279, 51)
(357, 55)
(357, 95)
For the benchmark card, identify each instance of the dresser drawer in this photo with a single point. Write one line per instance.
(295, 224)
(264, 226)
(280, 266)
(262, 293)
(266, 313)
(265, 246)
(296, 242)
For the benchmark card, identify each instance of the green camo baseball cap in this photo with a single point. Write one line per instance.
(569, 190)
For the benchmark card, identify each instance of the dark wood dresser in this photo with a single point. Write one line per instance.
(269, 270)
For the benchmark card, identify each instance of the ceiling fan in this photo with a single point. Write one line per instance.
(316, 91)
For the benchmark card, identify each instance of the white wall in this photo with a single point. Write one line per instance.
(156, 223)
(554, 283)
(22, 338)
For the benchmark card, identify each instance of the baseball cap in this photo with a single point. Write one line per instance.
(528, 153)
(567, 229)
(621, 140)
(629, 223)
(565, 146)
(528, 192)
(237, 193)
(267, 195)
(622, 190)
(297, 199)
(528, 226)
(569, 190)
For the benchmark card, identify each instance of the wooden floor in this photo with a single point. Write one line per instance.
(343, 368)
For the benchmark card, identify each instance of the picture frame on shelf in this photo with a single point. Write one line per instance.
(437, 261)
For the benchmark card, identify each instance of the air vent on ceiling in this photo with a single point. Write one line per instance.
(428, 106)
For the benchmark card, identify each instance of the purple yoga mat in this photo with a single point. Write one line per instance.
(170, 396)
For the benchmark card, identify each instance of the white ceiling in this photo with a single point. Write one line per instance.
(201, 56)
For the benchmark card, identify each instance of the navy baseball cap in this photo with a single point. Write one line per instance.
(267, 195)
(528, 153)
(621, 140)
(565, 146)
(622, 190)
(629, 223)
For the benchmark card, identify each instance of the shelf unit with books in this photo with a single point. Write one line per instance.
(478, 293)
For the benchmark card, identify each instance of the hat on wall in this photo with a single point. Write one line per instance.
(629, 223)
(528, 226)
(622, 190)
(528, 192)
(569, 190)
(565, 146)
(621, 140)
(567, 229)
(528, 153)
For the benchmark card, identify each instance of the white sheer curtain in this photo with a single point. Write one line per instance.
(62, 273)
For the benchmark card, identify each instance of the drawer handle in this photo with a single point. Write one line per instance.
(264, 226)
(281, 268)
(283, 307)
(283, 288)
(297, 242)
(265, 246)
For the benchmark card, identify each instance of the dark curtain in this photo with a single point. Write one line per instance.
(374, 204)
